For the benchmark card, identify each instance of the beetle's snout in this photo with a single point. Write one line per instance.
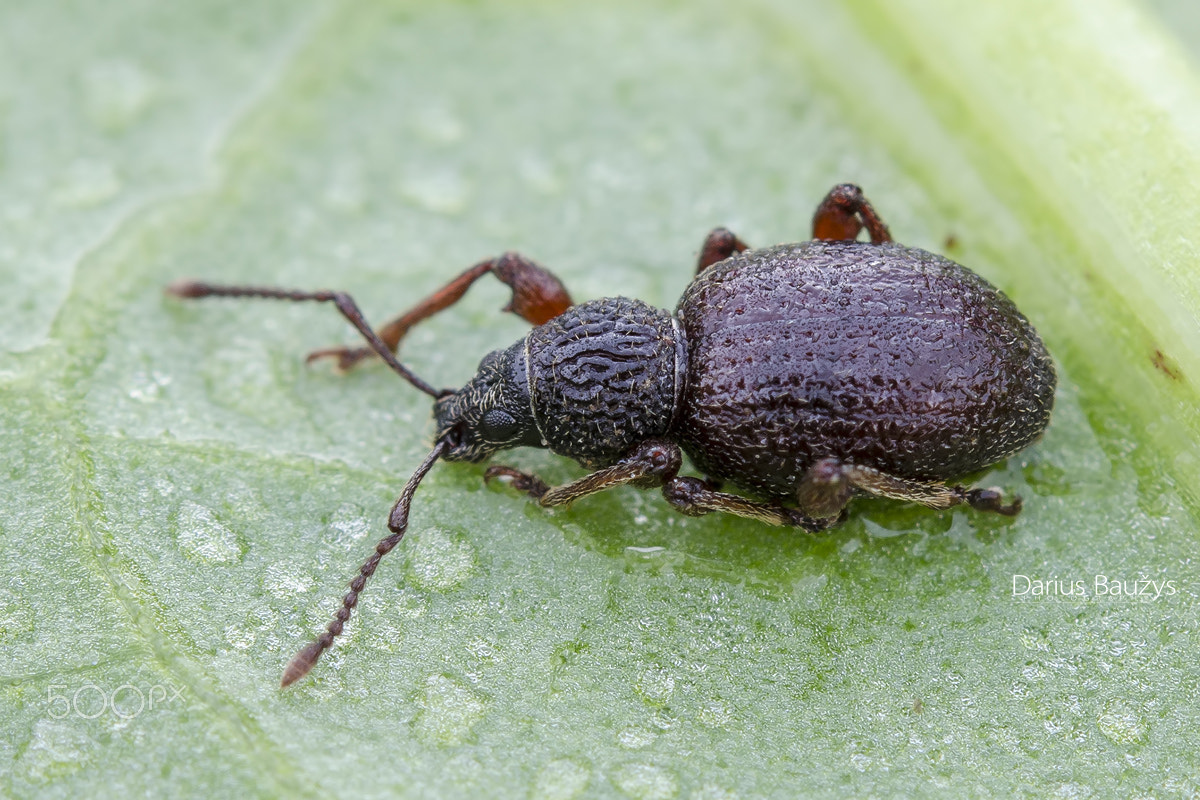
(492, 412)
(451, 426)
(457, 422)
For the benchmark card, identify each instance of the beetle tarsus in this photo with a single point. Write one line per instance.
(347, 357)
(825, 489)
(531, 485)
(989, 500)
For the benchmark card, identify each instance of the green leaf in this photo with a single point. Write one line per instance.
(185, 500)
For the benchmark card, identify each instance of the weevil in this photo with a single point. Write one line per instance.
(802, 374)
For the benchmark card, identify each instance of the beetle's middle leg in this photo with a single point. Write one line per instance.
(695, 497)
(648, 464)
(829, 483)
(844, 212)
(537, 297)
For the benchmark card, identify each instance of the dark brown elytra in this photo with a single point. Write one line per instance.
(802, 374)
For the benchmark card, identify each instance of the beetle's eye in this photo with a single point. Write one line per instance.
(498, 425)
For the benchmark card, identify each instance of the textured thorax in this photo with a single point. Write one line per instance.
(605, 376)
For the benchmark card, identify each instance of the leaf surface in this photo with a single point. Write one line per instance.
(185, 500)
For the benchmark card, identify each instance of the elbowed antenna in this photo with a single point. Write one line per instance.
(303, 661)
(345, 303)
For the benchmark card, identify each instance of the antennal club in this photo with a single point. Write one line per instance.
(303, 661)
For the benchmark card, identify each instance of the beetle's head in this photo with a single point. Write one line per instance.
(492, 412)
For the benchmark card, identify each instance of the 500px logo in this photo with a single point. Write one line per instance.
(125, 702)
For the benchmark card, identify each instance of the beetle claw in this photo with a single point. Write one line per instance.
(989, 500)
(346, 357)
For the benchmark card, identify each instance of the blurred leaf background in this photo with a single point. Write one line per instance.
(184, 500)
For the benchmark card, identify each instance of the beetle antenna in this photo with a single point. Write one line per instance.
(303, 661)
(344, 302)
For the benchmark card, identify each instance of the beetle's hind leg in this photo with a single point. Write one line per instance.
(719, 245)
(693, 497)
(829, 483)
(537, 297)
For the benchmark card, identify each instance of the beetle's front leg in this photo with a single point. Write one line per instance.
(537, 297)
(844, 212)
(649, 463)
